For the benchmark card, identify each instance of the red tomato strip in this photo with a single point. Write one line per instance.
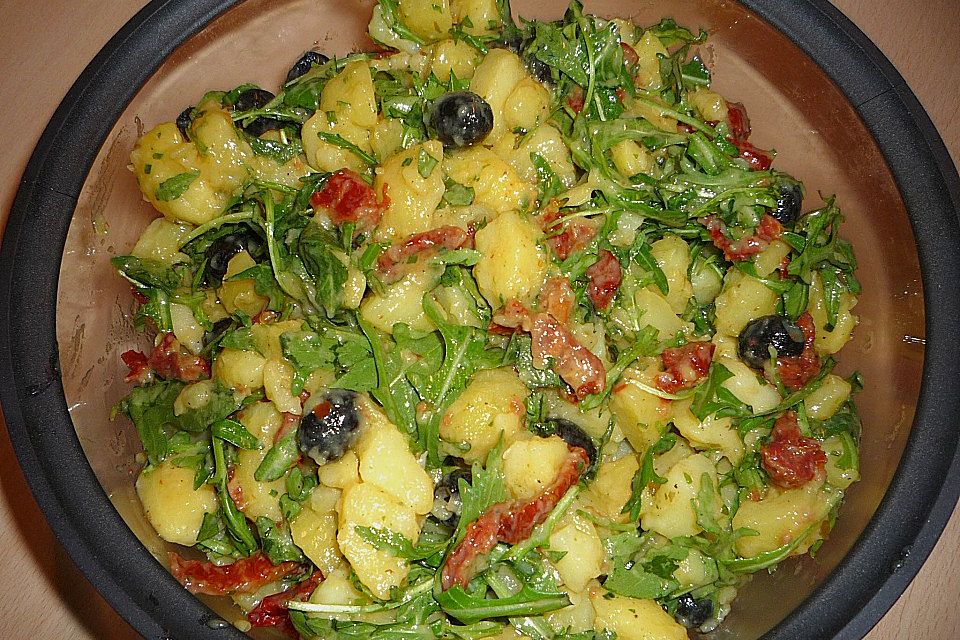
(685, 366)
(243, 576)
(557, 298)
(576, 364)
(605, 277)
(796, 371)
(347, 198)
(790, 458)
(445, 237)
(767, 231)
(272, 610)
(168, 361)
(507, 522)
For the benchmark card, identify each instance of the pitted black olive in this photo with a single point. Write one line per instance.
(184, 120)
(252, 99)
(759, 335)
(446, 496)
(538, 68)
(461, 118)
(222, 249)
(570, 433)
(255, 99)
(789, 202)
(511, 40)
(691, 612)
(331, 427)
(306, 61)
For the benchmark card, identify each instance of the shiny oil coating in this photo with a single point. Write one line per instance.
(30, 605)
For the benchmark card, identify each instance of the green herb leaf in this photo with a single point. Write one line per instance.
(173, 188)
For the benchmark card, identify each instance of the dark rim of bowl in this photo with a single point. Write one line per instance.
(848, 604)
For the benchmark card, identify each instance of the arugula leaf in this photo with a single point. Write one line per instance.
(277, 542)
(636, 582)
(646, 475)
(458, 195)
(520, 354)
(173, 188)
(282, 455)
(147, 274)
(712, 398)
(338, 140)
(234, 433)
(316, 248)
(235, 522)
(472, 607)
(222, 402)
(151, 410)
(485, 489)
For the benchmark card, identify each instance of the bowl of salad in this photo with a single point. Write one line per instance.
(463, 320)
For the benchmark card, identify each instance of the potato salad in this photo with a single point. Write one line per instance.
(502, 329)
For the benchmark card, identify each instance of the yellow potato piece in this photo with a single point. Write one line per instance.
(172, 505)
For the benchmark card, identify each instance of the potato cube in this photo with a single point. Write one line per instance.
(172, 505)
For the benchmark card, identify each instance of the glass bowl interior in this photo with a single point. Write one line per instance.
(793, 106)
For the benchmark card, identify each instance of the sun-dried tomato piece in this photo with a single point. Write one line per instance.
(796, 371)
(445, 237)
(685, 366)
(272, 610)
(790, 458)
(605, 277)
(245, 575)
(557, 298)
(167, 360)
(346, 197)
(573, 362)
(509, 522)
(767, 231)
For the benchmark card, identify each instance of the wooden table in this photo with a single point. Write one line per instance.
(44, 597)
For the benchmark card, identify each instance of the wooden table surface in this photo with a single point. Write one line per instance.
(42, 594)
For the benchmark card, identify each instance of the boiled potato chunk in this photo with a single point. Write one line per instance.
(366, 505)
(188, 331)
(829, 342)
(490, 408)
(161, 241)
(657, 313)
(277, 382)
(316, 535)
(825, 401)
(326, 156)
(350, 93)
(613, 486)
(252, 497)
(429, 19)
(649, 50)
(172, 505)
(341, 473)
(630, 158)
(639, 414)
(545, 141)
(482, 14)
(412, 196)
(513, 265)
(241, 295)
(494, 81)
(262, 420)
(709, 104)
(673, 257)
(530, 466)
(634, 619)
(337, 588)
(402, 301)
(743, 299)
(495, 183)
(578, 539)
(748, 387)
(239, 370)
(672, 511)
(527, 106)
(387, 462)
(456, 57)
(782, 516)
(711, 433)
